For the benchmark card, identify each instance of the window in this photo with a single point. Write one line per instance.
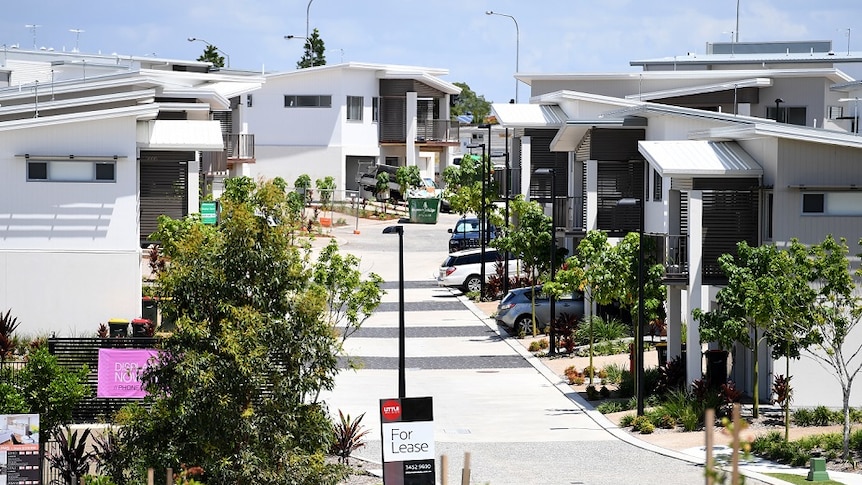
(71, 171)
(792, 115)
(307, 101)
(837, 203)
(248, 101)
(375, 109)
(354, 108)
(813, 203)
(656, 186)
(768, 202)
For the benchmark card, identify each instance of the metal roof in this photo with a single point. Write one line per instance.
(697, 158)
(529, 115)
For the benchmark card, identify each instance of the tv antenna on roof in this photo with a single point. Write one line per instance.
(77, 33)
(33, 28)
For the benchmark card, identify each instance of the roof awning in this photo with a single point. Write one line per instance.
(180, 135)
(511, 115)
(571, 134)
(760, 82)
(699, 158)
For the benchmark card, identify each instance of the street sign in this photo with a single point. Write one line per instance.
(407, 428)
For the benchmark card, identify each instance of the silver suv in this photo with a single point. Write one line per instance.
(462, 269)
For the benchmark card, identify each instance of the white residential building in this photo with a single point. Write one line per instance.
(93, 148)
(336, 120)
(719, 148)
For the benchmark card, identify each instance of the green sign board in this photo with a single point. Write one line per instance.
(209, 213)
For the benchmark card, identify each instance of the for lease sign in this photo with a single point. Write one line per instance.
(407, 427)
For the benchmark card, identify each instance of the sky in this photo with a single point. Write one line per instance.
(552, 36)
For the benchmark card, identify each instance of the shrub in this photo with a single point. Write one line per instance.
(609, 407)
(543, 344)
(823, 416)
(534, 346)
(647, 428)
(348, 436)
(671, 375)
(579, 380)
(604, 392)
(628, 420)
(565, 326)
(667, 421)
(592, 393)
(614, 372)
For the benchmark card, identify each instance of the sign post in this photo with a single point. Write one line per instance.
(407, 427)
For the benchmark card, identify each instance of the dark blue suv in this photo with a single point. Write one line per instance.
(465, 235)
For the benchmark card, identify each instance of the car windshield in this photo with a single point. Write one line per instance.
(467, 226)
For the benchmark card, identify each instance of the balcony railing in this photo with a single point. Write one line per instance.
(427, 131)
(569, 212)
(239, 146)
(672, 252)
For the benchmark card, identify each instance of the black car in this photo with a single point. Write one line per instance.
(465, 234)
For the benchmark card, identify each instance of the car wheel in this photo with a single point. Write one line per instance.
(472, 283)
(524, 325)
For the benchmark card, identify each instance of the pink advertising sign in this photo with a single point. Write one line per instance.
(119, 371)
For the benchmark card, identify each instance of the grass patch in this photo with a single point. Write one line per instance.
(799, 479)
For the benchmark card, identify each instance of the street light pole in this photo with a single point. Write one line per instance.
(307, 16)
(308, 46)
(483, 220)
(227, 57)
(402, 386)
(639, 327)
(517, 45)
(552, 335)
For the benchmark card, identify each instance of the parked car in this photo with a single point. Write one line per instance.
(515, 310)
(462, 269)
(465, 234)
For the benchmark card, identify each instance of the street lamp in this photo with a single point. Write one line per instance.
(553, 300)
(226, 56)
(307, 45)
(778, 102)
(482, 213)
(639, 329)
(307, 12)
(517, 45)
(401, 337)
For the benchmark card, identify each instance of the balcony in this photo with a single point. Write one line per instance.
(238, 149)
(672, 252)
(570, 212)
(428, 132)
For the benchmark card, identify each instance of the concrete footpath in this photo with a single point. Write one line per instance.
(521, 423)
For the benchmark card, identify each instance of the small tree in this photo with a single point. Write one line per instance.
(530, 240)
(837, 312)
(303, 185)
(381, 188)
(8, 324)
(407, 178)
(211, 54)
(314, 54)
(590, 271)
(326, 187)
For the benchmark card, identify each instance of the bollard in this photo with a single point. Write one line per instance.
(465, 472)
(817, 470)
(444, 470)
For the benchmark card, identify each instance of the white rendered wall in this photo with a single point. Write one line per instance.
(69, 251)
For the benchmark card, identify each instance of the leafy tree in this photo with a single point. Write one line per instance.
(407, 178)
(381, 188)
(45, 387)
(464, 187)
(530, 240)
(627, 260)
(837, 311)
(469, 102)
(326, 187)
(211, 54)
(314, 54)
(765, 300)
(235, 389)
(590, 270)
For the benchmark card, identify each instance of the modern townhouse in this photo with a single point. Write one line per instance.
(337, 120)
(93, 148)
(754, 142)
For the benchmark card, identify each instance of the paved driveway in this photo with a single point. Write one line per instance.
(520, 424)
